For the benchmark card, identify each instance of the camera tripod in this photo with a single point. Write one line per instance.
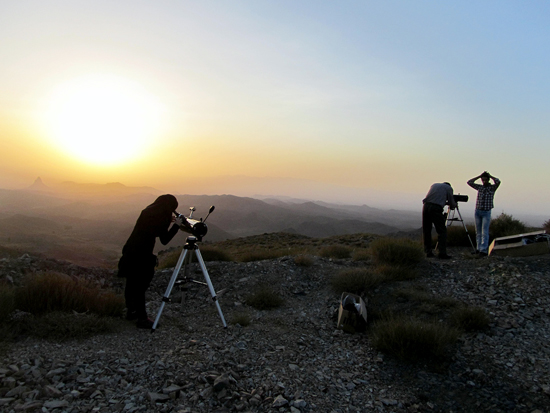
(452, 218)
(189, 249)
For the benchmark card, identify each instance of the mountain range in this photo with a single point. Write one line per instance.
(82, 222)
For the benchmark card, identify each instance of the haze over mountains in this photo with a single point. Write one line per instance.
(89, 223)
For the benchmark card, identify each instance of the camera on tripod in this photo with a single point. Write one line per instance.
(460, 198)
(197, 228)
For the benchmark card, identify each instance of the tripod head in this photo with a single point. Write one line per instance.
(196, 228)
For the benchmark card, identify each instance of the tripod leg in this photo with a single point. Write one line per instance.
(186, 266)
(170, 286)
(210, 286)
(467, 233)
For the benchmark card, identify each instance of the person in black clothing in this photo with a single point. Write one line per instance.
(138, 262)
(439, 195)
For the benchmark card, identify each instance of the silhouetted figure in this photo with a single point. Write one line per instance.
(438, 196)
(138, 262)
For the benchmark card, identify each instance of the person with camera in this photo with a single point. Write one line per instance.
(484, 205)
(439, 195)
(138, 262)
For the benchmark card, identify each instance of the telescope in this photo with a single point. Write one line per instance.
(460, 198)
(197, 228)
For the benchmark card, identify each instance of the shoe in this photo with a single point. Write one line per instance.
(430, 255)
(145, 323)
(444, 257)
(482, 254)
(131, 316)
(475, 252)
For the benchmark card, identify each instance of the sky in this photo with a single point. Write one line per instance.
(364, 102)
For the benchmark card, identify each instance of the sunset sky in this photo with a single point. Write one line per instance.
(318, 99)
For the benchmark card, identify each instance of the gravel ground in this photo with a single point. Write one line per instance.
(293, 359)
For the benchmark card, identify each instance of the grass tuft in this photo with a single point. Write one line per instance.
(335, 251)
(470, 319)
(7, 300)
(242, 318)
(412, 339)
(397, 272)
(261, 255)
(362, 254)
(396, 251)
(303, 260)
(356, 280)
(264, 297)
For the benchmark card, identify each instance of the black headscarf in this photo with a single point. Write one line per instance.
(153, 222)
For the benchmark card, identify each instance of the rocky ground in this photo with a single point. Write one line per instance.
(292, 359)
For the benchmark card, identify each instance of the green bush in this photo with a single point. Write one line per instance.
(335, 251)
(264, 297)
(470, 319)
(50, 291)
(412, 339)
(505, 225)
(356, 280)
(396, 251)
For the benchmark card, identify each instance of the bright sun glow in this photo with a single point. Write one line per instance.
(103, 119)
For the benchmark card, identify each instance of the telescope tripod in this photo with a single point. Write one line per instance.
(187, 252)
(452, 218)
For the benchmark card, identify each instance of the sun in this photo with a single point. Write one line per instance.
(103, 119)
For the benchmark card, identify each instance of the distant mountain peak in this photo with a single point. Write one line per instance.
(38, 185)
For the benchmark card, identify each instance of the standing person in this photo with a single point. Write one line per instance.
(438, 196)
(138, 262)
(484, 204)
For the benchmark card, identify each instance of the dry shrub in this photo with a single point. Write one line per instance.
(335, 251)
(261, 255)
(412, 339)
(396, 251)
(50, 291)
(397, 272)
(303, 260)
(362, 254)
(61, 326)
(356, 280)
